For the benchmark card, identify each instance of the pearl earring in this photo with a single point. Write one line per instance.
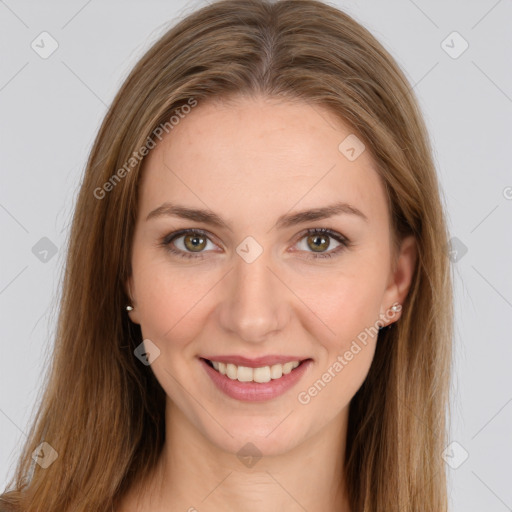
(129, 308)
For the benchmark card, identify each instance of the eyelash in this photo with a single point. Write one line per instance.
(166, 242)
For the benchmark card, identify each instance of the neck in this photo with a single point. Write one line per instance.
(193, 474)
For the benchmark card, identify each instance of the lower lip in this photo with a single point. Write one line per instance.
(256, 391)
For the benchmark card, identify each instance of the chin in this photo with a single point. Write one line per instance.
(256, 436)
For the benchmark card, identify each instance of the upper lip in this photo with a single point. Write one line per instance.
(256, 362)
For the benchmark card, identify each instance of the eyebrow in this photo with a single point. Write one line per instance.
(285, 221)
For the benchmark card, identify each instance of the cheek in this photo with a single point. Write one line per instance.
(171, 309)
(330, 390)
(350, 310)
(168, 298)
(344, 303)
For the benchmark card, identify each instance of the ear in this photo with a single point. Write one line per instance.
(133, 314)
(400, 278)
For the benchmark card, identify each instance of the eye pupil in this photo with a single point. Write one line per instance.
(195, 242)
(318, 245)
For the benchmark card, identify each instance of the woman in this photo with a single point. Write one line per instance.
(256, 313)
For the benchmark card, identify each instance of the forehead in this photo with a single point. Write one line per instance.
(240, 155)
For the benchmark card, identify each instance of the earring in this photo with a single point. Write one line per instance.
(129, 308)
(396, 307)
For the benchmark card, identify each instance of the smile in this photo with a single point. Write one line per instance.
(255, 383)
(261, 374)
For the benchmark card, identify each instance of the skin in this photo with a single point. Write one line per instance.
(250, 161)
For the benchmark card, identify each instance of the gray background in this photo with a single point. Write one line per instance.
(51, 110)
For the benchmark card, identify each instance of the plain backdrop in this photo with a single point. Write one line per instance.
(51, 109)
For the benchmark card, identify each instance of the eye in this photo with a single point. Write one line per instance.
(187, 243)
(193, 243)
(318, 240)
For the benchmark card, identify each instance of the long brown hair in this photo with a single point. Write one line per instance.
(102, 411)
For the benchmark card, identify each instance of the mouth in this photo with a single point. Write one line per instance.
(255, 380)
(260, 374)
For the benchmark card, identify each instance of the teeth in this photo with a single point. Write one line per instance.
(262, 374)
(276, 371)
(231, 371)
(287, 368)
(244, 374)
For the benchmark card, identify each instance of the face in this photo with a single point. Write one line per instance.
(248, 280)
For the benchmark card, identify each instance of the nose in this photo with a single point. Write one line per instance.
(256, 304)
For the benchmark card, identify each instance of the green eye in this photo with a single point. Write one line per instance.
(318, 242)
(194, 243)
(191, 243)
